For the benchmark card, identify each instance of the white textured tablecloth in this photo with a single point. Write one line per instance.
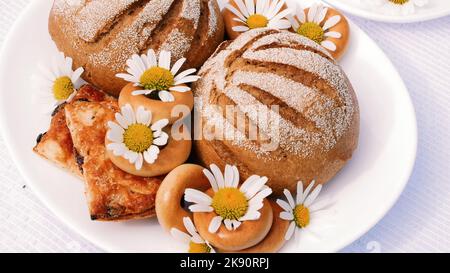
(419, 222)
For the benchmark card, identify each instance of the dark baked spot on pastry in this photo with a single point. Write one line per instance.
(58, 108)
(79, 159)
(39, 138)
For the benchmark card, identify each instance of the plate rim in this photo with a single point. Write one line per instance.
(105, 246)
(366, 14)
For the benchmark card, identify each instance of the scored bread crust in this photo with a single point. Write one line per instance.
(56, 144)
(318, 110)
(101, 35)
(113, 195)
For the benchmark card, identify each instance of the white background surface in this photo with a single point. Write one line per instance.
(419, 222)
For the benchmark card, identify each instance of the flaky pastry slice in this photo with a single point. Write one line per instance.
(56, 144)
(112, 194)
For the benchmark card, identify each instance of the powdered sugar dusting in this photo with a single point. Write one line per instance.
(212, 22)
(191, 11)
(176, 43)
(98, 14)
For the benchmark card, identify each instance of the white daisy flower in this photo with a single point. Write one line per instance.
(156, 77)
(395, 7)
(263, 13)
(195, 242)
(302, 210)
(312, 25)
(231, 204)
(134, 137)
(59, 83)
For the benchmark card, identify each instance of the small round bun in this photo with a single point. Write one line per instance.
(230, 21)
(101, 35)
(170, 194)
(342, 27)
(249, 233)
(184, 101)
(175, 153)
(296, 115)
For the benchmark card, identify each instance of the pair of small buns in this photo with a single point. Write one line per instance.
(342, 27)
(263, 235)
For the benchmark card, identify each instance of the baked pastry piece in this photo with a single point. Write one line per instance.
(112, 194)
(56, 144)
(312, 131)
(101, 35)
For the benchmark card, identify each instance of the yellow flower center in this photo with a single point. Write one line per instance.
(157, 78)
(312, 31)
(257, 21)
(230, 203)
(138, 138)
(399, 2)
(301, 216)
(198, 248)
(63, 88)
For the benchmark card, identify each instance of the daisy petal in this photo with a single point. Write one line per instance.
(184, 74)
(215, 224)
(218, 175)
(228, 175)
(164, 59)
(151, 154)
(212, 179)
(139, 162)
(331, 22)
(166, 96)
(180, 236)
(176, 67)
(312, 197)
(241, 28)
(228, 224)
(187, 79)
(242, 8)
(200, 208)
(196, 196)
(180, 89)
(286, 216)
(235, 12)
(189, 226)
(333, 34)
(160, 124)
(299, 199)
(284, 205)
(290, 231)
(289, 197)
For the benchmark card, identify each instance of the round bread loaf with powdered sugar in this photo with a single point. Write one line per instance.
(276, 104)
(101, 35)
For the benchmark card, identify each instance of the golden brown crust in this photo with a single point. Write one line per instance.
(319, 112)
(56, 144)
(113, 195)
(100, 35)
(182, 106)
(249, 233)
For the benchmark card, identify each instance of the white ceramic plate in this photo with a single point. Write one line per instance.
(364, 191)
(435, 9)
